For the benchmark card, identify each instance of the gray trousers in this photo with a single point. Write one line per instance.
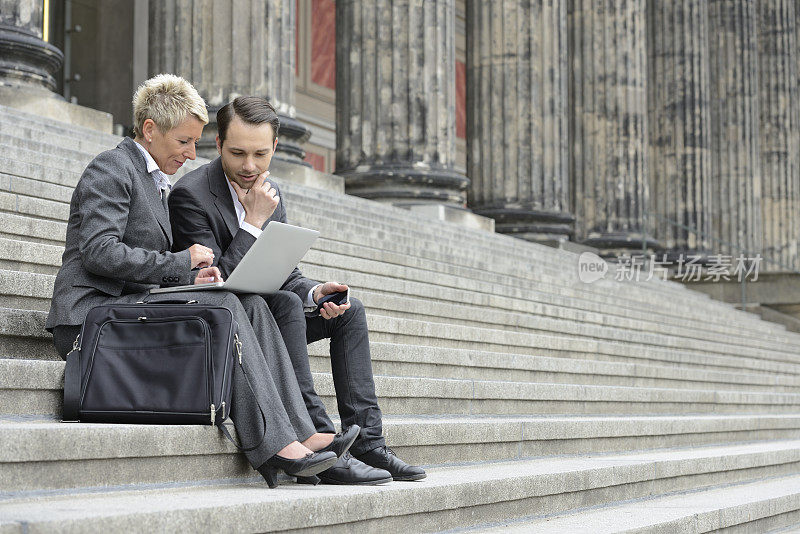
(266, 362)
(351, 365)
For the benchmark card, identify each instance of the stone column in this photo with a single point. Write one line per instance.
(27, 62)
(735, 147)
(679, 124)
(517, 141)
(609, 123)
(395, 101)
(780, 131)
(230, 48)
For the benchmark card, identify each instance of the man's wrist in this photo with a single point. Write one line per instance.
(258, 223)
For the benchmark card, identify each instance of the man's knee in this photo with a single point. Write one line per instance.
(356, 311)
(285, 304)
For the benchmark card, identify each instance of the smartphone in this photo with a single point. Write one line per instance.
(340, 298)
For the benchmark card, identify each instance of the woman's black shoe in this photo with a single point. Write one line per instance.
(309, 465)
(342, 441)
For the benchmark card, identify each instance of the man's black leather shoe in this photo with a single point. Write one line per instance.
(384, 458)
(351, 472)
(342, 441)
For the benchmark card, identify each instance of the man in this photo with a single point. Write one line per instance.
(225, 205)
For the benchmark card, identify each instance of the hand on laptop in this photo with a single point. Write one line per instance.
(208, 275)
(329, 309)
(201, 256)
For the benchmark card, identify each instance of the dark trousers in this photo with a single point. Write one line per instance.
(264, 356)
(351, 365)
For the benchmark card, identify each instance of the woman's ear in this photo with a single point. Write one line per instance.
(147, 130)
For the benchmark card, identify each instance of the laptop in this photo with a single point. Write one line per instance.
(266, 266)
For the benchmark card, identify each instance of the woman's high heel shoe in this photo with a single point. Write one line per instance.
(309, 465)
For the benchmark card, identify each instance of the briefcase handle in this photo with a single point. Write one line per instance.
(168, 301)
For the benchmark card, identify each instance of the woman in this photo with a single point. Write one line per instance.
(118, 247)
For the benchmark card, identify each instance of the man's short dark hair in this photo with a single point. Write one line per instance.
(251, 109)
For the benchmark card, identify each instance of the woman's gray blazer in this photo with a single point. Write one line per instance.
(118, 238)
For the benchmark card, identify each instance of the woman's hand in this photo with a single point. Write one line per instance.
(208, 276)
(201, 256)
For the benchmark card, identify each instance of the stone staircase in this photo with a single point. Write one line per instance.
(537, 402)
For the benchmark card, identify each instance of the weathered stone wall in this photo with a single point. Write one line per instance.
(779, 111)
(517, 140)
(679, 124)
(395, 101)
(735, 148)
(609, 166)
(229, 48)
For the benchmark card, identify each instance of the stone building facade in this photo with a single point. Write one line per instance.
(625, 125)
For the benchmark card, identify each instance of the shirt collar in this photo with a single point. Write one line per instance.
(160, 179)
(236, 204)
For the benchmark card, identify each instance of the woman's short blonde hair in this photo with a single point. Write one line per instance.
(167, 100)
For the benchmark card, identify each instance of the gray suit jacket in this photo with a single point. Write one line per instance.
(201, 211)
(118, 238)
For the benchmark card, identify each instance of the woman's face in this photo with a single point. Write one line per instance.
(171, 149)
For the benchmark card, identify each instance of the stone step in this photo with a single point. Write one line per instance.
(40, 258)
(454, 280)
(769, 503)
(55, 128)
(40, 389)
(32, 291)
(48, 210)
(22, 227)
(333, 257)
(437, 362)
(450, 497)
(381, 209)
(24, 337)
(57, 146)
(37, 453)
(371, 209)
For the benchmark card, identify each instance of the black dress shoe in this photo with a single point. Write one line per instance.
(349, 471)
(385, 458)
(308, 466)
(342, 441)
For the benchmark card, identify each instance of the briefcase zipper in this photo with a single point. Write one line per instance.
(238, 345)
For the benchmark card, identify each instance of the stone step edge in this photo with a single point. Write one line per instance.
(445, 489)
(28, 439)
(702, 510)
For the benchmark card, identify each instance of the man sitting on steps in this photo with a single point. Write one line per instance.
(225, 205)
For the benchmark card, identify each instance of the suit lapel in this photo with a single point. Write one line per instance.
(218, 186)
(151, 191)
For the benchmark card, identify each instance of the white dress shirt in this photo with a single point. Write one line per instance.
(160, 179)
(255, 232)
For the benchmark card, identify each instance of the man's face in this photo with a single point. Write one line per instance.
(247, 151)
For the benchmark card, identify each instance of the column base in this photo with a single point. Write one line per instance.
(530, 224)
(27, 60)
(292, 134)
(407, 184)
(613, 244)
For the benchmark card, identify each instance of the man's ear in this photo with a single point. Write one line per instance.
(219, 145)
(275, 144)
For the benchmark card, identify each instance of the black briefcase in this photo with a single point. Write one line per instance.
(162, 363)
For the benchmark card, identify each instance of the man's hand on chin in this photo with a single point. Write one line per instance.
(330, 310)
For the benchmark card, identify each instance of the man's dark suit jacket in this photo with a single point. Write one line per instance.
(118, 238)
(201, 211)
